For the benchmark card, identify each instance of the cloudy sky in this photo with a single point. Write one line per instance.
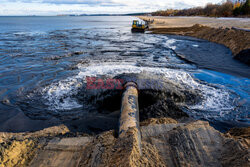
(54, 7)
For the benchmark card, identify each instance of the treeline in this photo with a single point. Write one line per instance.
(227, 9)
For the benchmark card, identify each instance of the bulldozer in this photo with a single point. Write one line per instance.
(138, 27)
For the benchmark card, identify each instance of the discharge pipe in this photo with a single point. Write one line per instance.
(129, 117)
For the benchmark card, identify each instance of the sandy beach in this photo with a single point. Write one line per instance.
(171, 22)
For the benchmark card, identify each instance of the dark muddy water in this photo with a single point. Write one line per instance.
(44, 62)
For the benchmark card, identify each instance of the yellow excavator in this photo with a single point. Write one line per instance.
(138, 27)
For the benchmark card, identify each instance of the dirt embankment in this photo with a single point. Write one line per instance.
(236, 39)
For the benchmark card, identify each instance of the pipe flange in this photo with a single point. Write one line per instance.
(133, 84)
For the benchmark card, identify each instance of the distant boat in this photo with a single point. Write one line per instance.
(138, 27)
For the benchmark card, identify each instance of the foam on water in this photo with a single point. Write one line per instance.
(169, 43)
(59, 95)
(28, 33)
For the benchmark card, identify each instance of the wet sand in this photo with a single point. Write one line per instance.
(165, 142)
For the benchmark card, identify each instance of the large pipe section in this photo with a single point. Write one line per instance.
(129, 117)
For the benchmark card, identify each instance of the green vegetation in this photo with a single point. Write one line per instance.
(227, 9)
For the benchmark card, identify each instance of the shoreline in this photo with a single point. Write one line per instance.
(232, 33)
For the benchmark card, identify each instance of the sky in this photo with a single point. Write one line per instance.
(55, 7)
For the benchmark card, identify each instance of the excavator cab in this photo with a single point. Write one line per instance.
(137, 26)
